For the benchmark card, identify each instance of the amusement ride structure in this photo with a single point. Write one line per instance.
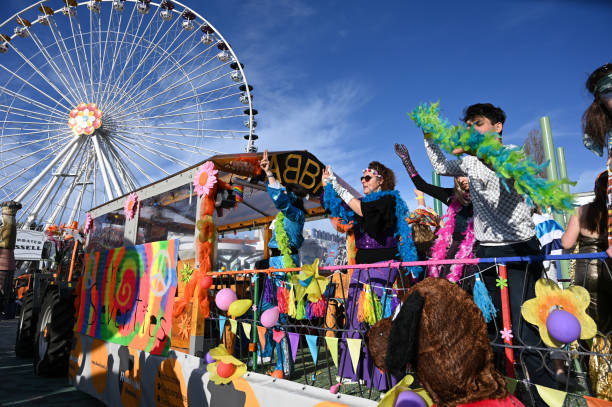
(100, 97)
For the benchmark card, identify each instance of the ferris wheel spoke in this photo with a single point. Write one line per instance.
(20, 144)
(78, 204)
(65, 53)
(156, 152)
(110, 170)
(126, 176)
(45, 94)
(127, 147)
(27, 169)
(102, 167)
(18, 111)
(24, 156)
(165, 142)
(58, 72)
(131, 54)
(77, 50)
(28, 100)
(103, 53)
(133, 163)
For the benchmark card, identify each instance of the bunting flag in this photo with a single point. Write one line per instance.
(246, 327)
(233, 326)
(552, 397)
(311, 340)
(354, 347)
(294, 341)
(332, 345)
(261, 333)
(511, 384)
(593, 402)
(278, 335)
(222, 320)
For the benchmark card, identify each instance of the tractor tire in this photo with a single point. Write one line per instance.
(54, 335)
(24, 342)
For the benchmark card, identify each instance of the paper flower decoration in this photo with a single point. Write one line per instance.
(205, 178)
(226, 367)
(501, 283)
(89, 223)
(506, 335)
(85, 119)
(549, 297)
(130, 206)
(309, 282)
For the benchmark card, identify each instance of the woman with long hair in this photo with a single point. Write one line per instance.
(597, 125)
(588, 228)
(456, 238)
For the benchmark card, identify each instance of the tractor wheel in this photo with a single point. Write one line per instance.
(54, 335)
(24, 343)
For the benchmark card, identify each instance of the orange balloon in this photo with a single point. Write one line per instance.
(278, 374)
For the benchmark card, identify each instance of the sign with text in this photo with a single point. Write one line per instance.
(127, 295)
(29, 244)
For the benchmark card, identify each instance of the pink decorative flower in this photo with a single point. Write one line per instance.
(205, 178)
(89, 222)
(506, 335)
(130, 206)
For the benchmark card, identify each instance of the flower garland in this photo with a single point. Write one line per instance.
(403, 230)
(283, 240)
(445, 235)
(89, 223)
(130, 206)
(507, 162)
(205, 178)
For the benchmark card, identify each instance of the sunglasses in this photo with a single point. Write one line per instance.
(366, 178)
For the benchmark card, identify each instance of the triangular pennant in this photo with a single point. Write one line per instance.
(246, 327)
(261, 333)
(593, 402)
(233, 326)
(278, 335)
(222, 320)
(294, 341)
(332, 345)
(552, 397)
(354, 347)
(311, 340)
(511, 384)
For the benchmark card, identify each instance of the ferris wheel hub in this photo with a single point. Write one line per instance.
(85, 119)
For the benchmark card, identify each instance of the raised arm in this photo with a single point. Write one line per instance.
(440, 163)
(439, 193)
(343, 193)
(570, 236)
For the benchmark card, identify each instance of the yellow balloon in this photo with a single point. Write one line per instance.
(239, 307)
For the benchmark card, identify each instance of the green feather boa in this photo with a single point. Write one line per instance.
(507, 162)
(283, 241)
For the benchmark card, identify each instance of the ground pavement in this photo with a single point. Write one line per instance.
(20, 387)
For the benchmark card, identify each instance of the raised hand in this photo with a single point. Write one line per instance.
(402, 152)
(326, 174)
(264, 163)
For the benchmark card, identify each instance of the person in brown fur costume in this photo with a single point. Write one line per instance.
(441, 333)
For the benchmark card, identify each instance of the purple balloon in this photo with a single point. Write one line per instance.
(409, 398)
(209, 359)
(563, 326)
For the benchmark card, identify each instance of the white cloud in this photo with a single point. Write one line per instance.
(586, 181)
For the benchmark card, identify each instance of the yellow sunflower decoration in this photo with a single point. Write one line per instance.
(309, 282)
(226, 367)
(557, 313)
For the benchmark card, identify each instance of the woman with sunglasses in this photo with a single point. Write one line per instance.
(381, 234)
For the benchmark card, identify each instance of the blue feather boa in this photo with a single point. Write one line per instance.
(403, 230)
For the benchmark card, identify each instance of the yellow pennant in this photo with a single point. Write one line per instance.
(332, 345)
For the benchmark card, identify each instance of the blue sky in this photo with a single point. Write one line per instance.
(337, 78)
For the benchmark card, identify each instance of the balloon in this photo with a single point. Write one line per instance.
(409, 398)
(209, 359)
(206, 282)
(278, 374)
(225, 298)
(225, 370)
(269, 318)
(239, 307)
(563, 326)
(334, 389)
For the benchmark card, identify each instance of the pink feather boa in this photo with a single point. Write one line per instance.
(445, 236)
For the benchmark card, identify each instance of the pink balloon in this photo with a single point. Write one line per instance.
(269, 318)
(224, 298)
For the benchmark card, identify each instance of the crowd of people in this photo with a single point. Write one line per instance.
(485, 218)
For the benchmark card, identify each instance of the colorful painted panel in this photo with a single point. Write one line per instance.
(127, 295)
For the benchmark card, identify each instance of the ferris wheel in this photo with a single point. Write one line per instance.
(102, 96)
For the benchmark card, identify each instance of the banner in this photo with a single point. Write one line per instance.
(127, 296)
(29, 244)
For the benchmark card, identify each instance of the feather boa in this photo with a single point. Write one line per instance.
(403, 230)
(507, 162)
(445, 236)
(282, 239)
